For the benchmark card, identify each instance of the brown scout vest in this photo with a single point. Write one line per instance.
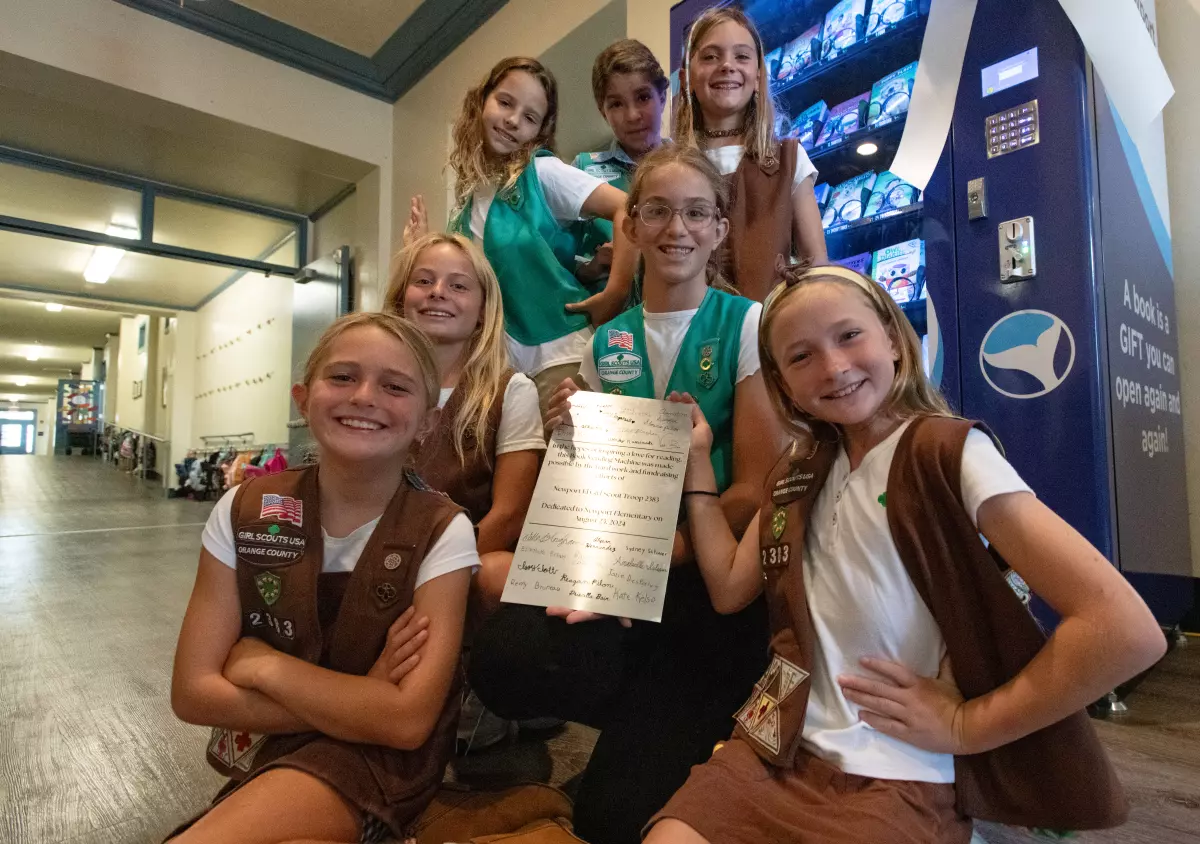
(436, 461)
(760, 221)
(1058, 777)
(280, 550)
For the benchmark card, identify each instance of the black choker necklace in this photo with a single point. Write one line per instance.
(724, 133)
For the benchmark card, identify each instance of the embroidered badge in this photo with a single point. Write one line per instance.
(616, 391)
(386, 594)
(618, 339)
(392, 562)
(269, 546)
(708, 364)
(778, 522)
(282, 507)
(282, 626)
(795, 485)
(270, 587)
(619, 368)
(1018, 586)
(882, 499)
(760, 716)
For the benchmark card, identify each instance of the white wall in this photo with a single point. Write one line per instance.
(242, 361)
(112, 374)
(131, 368)
(1179, 33)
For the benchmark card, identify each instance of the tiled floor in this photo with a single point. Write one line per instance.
(95, 571)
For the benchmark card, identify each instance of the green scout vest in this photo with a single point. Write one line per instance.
(706, 367)
(534, 260)
(592, 234)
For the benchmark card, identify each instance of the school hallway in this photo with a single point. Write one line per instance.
(95, 571)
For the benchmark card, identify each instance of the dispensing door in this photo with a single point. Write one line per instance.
(320, 295)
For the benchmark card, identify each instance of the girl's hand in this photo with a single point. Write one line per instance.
(558, 410)
(702, 435)
(923, 711)
(577, 616)
(598, 267)
(246, 660)
(418, 220)
(600, 308)
(401, 651)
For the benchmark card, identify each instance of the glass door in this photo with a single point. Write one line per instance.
(17, 431)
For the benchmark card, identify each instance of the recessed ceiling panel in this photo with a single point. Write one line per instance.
(362, 25)
(225, 231)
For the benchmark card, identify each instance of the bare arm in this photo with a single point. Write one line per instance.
(200, 694)
(512, 489)
(757, 441)
(609, 202)
(806, 224)
(1106, 635)
(731, 570)
(367, 709)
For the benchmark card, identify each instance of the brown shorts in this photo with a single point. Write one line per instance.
(736, 797)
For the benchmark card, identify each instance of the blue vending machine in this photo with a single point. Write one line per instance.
(1035, 265)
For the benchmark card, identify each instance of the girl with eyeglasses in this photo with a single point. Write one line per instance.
(661, 694)
(729, 114)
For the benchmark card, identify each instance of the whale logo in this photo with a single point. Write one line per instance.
(1027, 354)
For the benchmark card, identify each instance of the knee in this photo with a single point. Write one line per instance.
(672, 831)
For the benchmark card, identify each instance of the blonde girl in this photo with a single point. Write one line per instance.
(299, 646)
(728, 113)
(517, 200)
(909, 689)
(661, 694)
(486, 448)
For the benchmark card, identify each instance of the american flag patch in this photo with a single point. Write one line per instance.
(620, 339)
(284, 508)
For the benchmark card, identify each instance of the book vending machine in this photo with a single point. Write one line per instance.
(1035, 265)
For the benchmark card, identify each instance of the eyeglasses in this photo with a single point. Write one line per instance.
(695, 218)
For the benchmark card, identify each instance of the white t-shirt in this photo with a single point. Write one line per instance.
(520, 419)
(566, 189)
(863, 603)
(454, 549)
(727, 159)
(664, 336)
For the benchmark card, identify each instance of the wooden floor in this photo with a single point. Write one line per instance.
(95, 570)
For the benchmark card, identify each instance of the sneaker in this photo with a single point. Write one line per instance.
(479, 727)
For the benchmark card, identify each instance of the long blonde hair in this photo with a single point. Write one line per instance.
(911, 393)
(486, 354)
(408, 334)
(760, 141)
(664, 156)
(469, 158)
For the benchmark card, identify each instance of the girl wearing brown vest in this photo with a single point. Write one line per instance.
(297, 647)
(730, 115)
(487, 445)
(910, 689)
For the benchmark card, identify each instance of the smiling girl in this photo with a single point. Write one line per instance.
(517, 200)
(729, 114)
(297, 645)
(910, 689)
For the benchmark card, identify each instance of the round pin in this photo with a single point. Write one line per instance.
(392, 562)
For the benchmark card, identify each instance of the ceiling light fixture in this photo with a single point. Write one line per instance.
(105, 259)
(868, 148)
(53, 307)
(21, 381)
(33, 353)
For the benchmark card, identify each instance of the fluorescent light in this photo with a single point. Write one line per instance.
(21, 381)
(868, 148)
(105, 259)
(53, 307)
(32, 354)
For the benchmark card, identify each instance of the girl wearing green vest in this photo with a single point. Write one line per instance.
(517, 199)
(729, 114)
(661, 694)
(630, 88)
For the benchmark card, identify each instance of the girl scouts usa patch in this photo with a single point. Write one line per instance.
(269, 545)
(619, 368)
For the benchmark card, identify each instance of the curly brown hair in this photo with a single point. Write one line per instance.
(473, 167)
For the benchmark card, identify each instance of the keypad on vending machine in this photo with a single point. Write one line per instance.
(1013, 129)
